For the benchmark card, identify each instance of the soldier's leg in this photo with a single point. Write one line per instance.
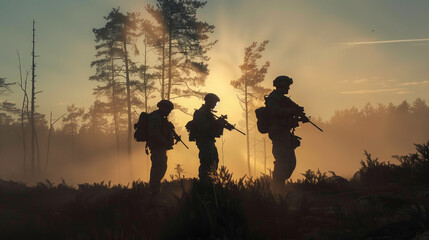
(215, 158)
(158, 156)
(207, 156)
(285, 162)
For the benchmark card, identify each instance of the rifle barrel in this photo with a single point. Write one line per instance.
(315, 126)
(239, 131)
(183, 143)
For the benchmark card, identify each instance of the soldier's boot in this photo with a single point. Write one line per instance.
(154, 188)
(278, 184)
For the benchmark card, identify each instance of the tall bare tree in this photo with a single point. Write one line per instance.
(33, 104)
(248, 85)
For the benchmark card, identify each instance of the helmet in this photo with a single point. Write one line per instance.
(165, 104)
(282, 80)
(211, 96)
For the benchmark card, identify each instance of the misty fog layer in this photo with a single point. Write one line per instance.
(88, 154)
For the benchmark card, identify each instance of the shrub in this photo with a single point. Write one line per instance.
(373, 171)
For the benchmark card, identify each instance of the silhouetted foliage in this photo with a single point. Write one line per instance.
(7, 109)
(95, 119)
(376, 172)
(413, 168)
(72, 122)
(4, 86)
(311, 177)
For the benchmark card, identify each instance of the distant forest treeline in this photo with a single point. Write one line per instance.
(383, 130)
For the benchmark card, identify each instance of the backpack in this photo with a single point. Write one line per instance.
(141, 128)
(263, 117)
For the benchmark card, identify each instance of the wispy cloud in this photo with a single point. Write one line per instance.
(413, 83)
(393, 87)
(403, 92)
(388, 41)
(360, 81)
(374, 91)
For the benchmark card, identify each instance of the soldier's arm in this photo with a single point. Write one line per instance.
(278, 108)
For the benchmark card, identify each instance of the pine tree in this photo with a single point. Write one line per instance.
(248, 85)
(95, 121)
(110, 58)
(183, 45)
(120, 32)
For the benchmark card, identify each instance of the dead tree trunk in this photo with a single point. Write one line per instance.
(169, 65)
(163, 69)
(24, 114)
(145, 80)
(33, 97)
(246, 112)
(127, 78)
(116, 121)
(115, 111)
(51, 125)
(254, 158)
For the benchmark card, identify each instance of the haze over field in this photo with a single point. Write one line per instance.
(340, 54)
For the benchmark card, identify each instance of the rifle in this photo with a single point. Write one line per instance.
(226, 124)
(178, 139)
(300, 115)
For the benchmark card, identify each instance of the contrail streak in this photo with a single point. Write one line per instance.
(389, 41)
(374, 91)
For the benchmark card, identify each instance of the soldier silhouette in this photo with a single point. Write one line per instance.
(284, 116)
(160, 140)
(203, 129)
